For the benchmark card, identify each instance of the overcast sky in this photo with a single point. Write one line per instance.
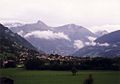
(93, 14)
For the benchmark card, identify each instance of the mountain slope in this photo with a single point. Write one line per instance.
(111, 38)
(106, 46)
(13, 43)
(6, 33)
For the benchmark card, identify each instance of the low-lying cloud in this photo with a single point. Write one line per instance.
(103, 44)
(47, 35)
(96, 44)
(90, 43)
(78, 44)
(91, 38)
(93, 43)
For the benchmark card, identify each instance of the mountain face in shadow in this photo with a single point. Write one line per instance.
(12, 42)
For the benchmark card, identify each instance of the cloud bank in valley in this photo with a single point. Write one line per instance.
(47, 35)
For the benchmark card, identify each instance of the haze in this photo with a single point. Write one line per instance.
(93, 14)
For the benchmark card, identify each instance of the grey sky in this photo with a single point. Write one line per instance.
(88, 13)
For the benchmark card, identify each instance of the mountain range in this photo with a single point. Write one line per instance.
(63, 40)
(69, 39)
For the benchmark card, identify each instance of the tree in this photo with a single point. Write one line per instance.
(74, 71)
(34, 64)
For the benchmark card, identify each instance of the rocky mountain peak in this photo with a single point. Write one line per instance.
(39, 22)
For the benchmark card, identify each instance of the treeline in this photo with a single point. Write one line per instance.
(97, 63)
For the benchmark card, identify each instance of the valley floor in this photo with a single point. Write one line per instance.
(22, 76)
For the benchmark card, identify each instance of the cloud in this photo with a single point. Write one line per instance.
(91, 38)
(103, 44)
(90, 43)
(96, 44)
(78, 44)
(47, 35)
(83, 12)
(93, 43)
(107, 27)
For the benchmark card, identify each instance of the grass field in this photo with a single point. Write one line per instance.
(22, 76)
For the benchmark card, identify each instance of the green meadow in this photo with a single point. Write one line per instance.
(22, 76)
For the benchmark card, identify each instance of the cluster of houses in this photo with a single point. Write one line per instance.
(23, 56)
(63, 58)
